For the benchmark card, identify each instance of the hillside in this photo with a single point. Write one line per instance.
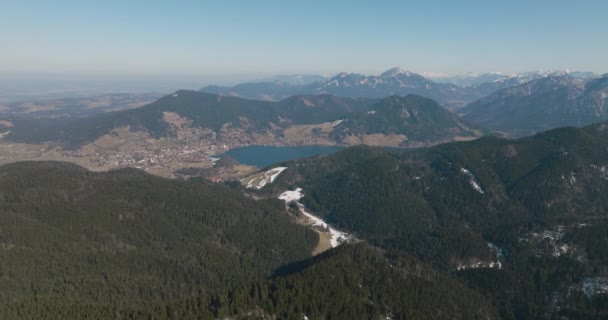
(432, 188)
(188, 111)
(78, 244)
(229, 122)
(128, 238)
(509, 214)
(542, 104)
(354, 282)
(409, 120)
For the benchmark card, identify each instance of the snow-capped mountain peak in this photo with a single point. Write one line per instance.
(393, 72)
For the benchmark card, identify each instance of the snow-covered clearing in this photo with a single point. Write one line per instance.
(472, 180)
(337, 237)
(259, 180)
(477, 264)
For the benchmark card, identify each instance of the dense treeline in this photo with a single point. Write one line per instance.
(351, 282)
(403, 201)
(416, 117)
(126, 237)
(358, 282)
(447, 204)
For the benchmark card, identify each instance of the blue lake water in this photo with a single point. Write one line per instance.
(263, 156)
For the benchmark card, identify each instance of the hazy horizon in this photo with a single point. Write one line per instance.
(250, 40)
(22, 86)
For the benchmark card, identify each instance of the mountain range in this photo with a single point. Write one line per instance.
(390, 82)
(468, 79)
(295, 79)
(541, 104)
(451, 92)
(521, 104)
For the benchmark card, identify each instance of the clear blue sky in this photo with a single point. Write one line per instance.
(279, 37)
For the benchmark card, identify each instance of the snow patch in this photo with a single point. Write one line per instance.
(499, 256)
(259, 180)
(336, 237)
(572, 178)
(480, 265)
(593, 286)
(603, 171)
(290, 196)
(334, 83)
(551, 243)
(472, 180)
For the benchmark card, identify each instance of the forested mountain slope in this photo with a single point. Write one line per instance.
(542, 104)
(524, 221)
(481, 185)
(230, 121)
(350, 282)
(126, 237)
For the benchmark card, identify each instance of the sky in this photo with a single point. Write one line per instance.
(230, 38)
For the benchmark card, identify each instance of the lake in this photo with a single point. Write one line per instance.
(263, 156)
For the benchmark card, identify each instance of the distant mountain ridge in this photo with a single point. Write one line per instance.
(411, 118)
(468, 79)
(450, 91)
(295, 79)
(390, 82)
(541, 104)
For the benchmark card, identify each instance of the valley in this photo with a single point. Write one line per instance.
(123, 148)
(303, 160)
(466, 215)
(187, 128)
(241, 207)
(77, 107)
